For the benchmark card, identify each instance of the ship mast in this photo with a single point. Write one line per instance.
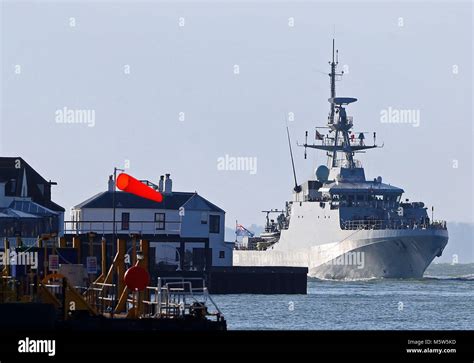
(332, 77)
(339, 123)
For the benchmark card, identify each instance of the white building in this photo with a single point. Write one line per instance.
(183, 216)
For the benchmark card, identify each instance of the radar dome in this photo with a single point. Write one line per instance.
(322, 173)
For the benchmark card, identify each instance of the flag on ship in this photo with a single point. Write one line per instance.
(240, 230)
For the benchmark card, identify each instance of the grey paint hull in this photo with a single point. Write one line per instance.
(389, 254)
(403, 257)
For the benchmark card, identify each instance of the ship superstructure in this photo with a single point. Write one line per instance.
(342, 225)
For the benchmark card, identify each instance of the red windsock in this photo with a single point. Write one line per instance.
(131, 185)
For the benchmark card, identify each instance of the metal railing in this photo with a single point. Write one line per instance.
(178, 297)
(394, 224)
(101, 296)
(106, 227)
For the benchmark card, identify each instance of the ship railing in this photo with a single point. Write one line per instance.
(329, 141)
(106, 227)
(439, 224)
(353, 141)
(396, 224)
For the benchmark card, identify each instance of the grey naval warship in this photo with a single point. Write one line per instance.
(341, 225)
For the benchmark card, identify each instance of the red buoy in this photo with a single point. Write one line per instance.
(129, 184)
(136, 278)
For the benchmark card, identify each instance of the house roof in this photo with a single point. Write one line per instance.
(170, 201)
(26, 209)
(196, 202)
(12, 172)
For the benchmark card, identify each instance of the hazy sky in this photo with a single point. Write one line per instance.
(141, 72)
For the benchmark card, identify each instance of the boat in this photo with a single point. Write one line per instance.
(342, 225)
(119, 299)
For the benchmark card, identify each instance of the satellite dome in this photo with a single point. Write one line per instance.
(322, 173)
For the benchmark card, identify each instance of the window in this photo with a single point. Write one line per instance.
(221, 254)
(160, 221)
(125, 221)
(204, 218)
(214, 224)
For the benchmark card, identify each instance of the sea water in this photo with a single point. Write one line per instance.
(442, 300)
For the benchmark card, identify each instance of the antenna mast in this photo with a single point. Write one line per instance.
(332, 76)
(340, 123)
(297, 188)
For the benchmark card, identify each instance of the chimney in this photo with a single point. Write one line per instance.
(160, 183)
(168, 184)
(111, 183)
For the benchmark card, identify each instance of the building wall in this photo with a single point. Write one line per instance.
(187, 225)
(141, 220)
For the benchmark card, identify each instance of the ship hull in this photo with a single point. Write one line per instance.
(379, 254)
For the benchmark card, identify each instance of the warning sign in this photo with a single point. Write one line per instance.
(53, 262)
(92, 265)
